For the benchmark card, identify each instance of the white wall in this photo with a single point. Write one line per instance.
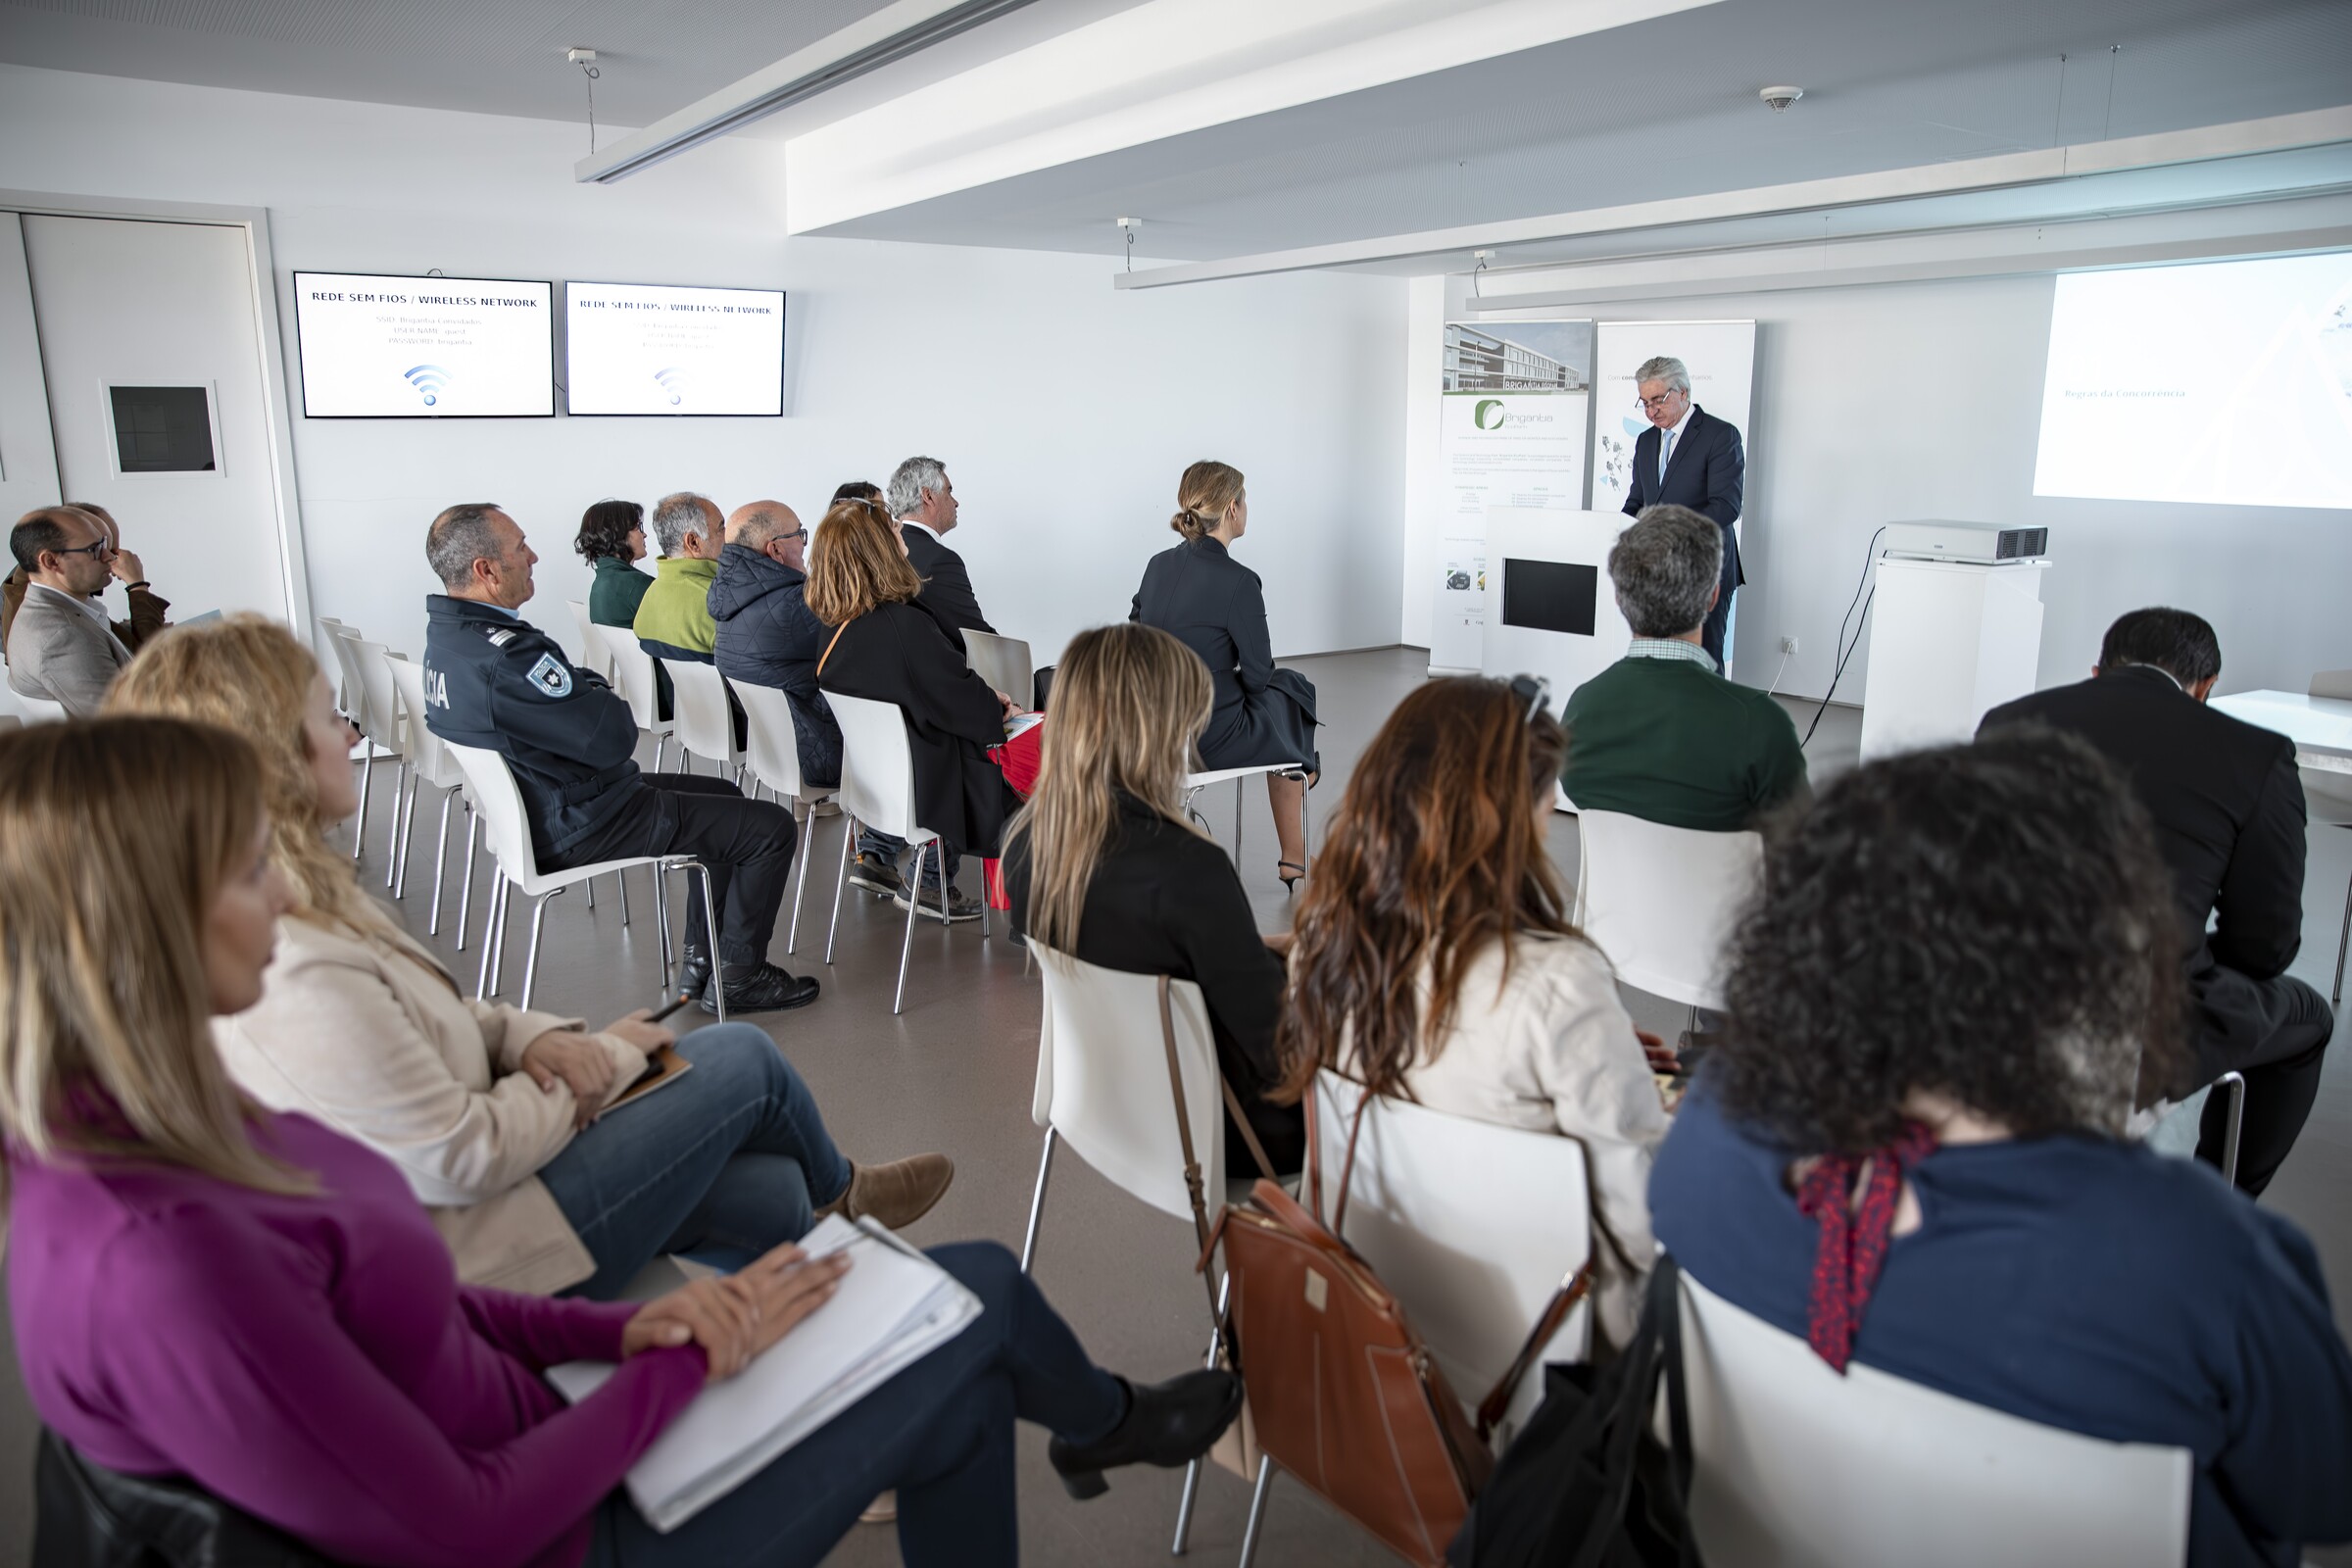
(1064, 410)
(1924, 400)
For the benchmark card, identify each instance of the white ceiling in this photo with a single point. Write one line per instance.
(1668, 108)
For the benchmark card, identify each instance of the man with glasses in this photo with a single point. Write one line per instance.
(767, 634)
(1689, 458)
(61, 648)
(148, 610)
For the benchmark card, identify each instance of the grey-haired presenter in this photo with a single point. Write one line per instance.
(1689, 458)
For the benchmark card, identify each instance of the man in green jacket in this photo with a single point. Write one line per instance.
(674, 618)
(1660, 734)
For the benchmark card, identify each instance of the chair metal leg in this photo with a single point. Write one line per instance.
(622, 881)
(840, 880)
(358, 829)
(1257, 1511)
(2341, 943)
(408, 835)
(530, 959)
(1192, 1472)
(1240, 795)
(719, 975)
(2235, 1085)
(481, 979)
(400, 795)
(1037, 1202)
(914, 901)
(591, 893)
(661, 921)
(799, 884)
(432, 925)
(466, 886)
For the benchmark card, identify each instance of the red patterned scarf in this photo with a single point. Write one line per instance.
(1853, 1237)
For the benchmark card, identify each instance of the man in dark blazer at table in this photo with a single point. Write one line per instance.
(925, 504)
(1702, 466)
(2229, 822)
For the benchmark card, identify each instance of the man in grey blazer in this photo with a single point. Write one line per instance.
(61, 647)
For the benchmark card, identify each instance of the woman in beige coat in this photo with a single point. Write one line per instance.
(493, 1112)
(1433, 958)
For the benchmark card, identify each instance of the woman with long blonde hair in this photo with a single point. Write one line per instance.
(1102, 866)
(248, 1302)
(492, 1111)
(888, 647)
(1217, 608)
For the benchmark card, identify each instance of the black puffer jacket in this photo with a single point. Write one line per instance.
(767, 636)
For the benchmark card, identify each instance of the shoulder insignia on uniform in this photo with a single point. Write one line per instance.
(501, 637)
(550, 675)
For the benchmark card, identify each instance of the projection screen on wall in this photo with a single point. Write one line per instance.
(2227, 382)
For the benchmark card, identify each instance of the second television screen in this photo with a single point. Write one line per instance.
(646, 348)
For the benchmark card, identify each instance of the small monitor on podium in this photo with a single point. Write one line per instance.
(1550, 595)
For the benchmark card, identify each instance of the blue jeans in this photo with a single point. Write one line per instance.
(940, 1431)
(723, 1164)
(884, 847)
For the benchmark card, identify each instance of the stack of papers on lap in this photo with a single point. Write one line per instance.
(893, 1306)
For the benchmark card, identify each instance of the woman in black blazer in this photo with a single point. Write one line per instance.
(1216, 606)
(1102, 866)
(890, 649)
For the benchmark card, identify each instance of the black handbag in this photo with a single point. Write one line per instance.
(1586, 1483)
(87, 1516)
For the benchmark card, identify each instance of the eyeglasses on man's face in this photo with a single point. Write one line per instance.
(98, 550)
(1661, 401)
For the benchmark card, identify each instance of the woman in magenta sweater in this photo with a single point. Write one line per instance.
(202, 1288)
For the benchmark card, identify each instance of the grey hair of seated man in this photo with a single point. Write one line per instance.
(1667, 369)
(911, 480)
(1665, 569)
(459, 536)
(677, 515)
(753, 527)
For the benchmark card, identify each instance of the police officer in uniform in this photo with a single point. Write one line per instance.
(493, 680)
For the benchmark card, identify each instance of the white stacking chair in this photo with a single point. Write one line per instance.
(2176, 1129)
(705, 725)
(2327, 806)
(1472, 1226)
(352, 700)
(429, 763)
(772, 753)
(500, 806)
(877, 789)
(1659, 900)
(379, 721)
(634, 677)
(335, 632)
(40, 709)
(1003, 663)
(1798, 1466)
(1195, 783)
(593, 657)
(1102, 1088)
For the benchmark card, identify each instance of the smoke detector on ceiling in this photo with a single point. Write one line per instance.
(1780, 98)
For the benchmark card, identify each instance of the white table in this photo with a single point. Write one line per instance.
(2321, 729)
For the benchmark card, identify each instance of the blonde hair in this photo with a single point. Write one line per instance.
(1205, 493)
(116, 837)
(1129, 701)
(857, 561)
(248, 673)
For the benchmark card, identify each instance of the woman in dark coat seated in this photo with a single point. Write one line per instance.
(888, 649)
(1101, 864)
(1216, 606)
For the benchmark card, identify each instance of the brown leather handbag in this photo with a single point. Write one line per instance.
(1343, 1393)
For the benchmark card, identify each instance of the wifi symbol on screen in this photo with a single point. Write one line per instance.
(428, 379)
(670, 379)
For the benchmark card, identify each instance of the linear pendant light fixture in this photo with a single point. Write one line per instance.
(890, 34)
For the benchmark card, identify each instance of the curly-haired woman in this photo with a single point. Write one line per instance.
(1958, 968)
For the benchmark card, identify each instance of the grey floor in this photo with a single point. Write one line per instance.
(954, 1073)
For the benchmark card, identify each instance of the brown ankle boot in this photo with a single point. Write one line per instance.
(896, 1194)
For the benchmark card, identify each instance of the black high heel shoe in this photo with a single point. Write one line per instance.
(1167, 1424)
(1289, 882)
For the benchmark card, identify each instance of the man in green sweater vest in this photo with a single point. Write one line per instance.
(1660, 734)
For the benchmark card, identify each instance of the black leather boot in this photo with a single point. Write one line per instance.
(1167, 1424)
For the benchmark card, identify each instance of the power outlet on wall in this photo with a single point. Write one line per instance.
(1787, 645)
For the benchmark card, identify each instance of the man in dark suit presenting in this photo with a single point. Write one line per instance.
(2229, 810)
(1702, 465)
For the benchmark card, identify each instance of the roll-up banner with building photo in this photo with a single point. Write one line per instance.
(1511, 425)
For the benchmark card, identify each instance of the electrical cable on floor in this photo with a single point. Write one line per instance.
(1845, 653)
(1775, 686)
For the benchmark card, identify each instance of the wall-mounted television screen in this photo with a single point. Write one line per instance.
(646, 348)
(376, 347)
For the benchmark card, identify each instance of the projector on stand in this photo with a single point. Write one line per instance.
(1978, 544)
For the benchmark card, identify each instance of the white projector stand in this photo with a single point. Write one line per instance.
(1951, 642)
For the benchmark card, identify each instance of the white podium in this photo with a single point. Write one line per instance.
(1951, 642)
(1549, 608)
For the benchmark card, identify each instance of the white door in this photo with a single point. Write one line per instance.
(151, 352)
(27, 457)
